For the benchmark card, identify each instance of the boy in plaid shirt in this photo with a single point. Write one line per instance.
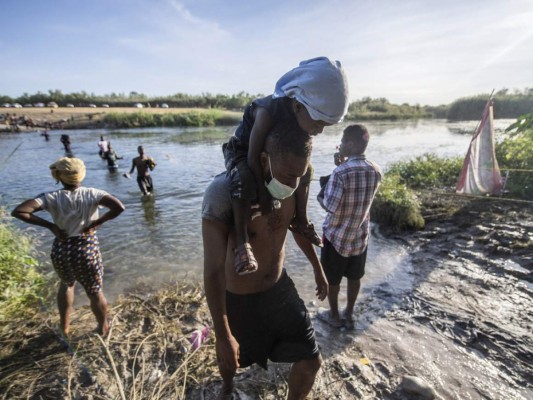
(348, 196)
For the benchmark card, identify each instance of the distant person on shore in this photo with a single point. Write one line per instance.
(65, 139)
(103, 146)
(111, 157)
(347, 198)
(75, 252)
(144, 165)
(314, 95)
(260, 316)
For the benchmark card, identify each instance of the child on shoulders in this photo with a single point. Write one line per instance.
(315, 95)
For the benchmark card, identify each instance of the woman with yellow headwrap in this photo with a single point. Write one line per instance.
(75, 252)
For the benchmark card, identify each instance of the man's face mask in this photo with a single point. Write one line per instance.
(277, 189)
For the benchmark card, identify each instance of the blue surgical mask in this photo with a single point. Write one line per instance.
(277, 189)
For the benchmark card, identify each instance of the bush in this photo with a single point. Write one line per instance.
(514, 153)
(21, 286)
(428, 171)
(396, 205)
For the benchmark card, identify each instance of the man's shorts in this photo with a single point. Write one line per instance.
(145, 183)
(336, 266)
(78, 258)
(273, 324)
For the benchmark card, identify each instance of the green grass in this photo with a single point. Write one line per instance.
(187, 119)
(396, 206)
(22, 287)
(428, 171)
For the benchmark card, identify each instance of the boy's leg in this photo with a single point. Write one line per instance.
(355, 271)
(243, 191)
(241, 215)
(353, 291)
(333, 300)
(65, 301)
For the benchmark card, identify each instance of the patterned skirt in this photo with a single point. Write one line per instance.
(78, 258)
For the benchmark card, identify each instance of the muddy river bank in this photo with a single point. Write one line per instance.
(457, 318)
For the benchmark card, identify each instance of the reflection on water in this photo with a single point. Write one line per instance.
(158, 238)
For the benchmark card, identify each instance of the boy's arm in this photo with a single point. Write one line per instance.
(262, 125)
(132, 166)
(333, 193)
(309, 251)
(215, 239)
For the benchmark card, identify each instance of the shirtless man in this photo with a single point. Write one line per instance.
(260, 316)
(144, 180)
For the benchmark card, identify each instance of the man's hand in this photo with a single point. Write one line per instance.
(322, 286)
(227, 353)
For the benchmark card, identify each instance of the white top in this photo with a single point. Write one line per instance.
(103, 145)
(73, 210)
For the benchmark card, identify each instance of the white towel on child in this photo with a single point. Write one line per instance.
(320, 85)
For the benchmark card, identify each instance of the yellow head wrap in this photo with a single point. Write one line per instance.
(68, 170)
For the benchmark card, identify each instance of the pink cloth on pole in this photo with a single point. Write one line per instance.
(481, 174)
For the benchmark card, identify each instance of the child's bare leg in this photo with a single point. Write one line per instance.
(241, 214)
(244, 259)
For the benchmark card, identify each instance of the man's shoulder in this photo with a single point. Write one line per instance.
(216, 203)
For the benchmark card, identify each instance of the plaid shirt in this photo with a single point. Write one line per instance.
(347, 198)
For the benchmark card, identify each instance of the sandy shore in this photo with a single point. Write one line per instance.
(459, 318)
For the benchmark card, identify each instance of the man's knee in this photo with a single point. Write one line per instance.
(313, 365)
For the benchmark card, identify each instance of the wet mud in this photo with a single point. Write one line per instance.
(464, 326)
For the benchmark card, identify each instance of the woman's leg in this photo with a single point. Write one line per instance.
(99, 309)
(65, 301)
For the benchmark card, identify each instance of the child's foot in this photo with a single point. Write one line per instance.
(308, 231)
(245, 262)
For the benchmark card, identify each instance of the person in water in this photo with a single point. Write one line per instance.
(75, 251)
(103, 146)
(144, 165)
(314, 95)
(111, 157)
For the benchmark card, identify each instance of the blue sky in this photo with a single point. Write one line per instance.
(421, 51)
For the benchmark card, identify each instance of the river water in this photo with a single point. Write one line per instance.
(158, 239)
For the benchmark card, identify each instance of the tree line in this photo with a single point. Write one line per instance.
(507, 104)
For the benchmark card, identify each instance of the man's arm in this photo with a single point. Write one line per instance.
(132, 166)
(215, 238)
(309, 251)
